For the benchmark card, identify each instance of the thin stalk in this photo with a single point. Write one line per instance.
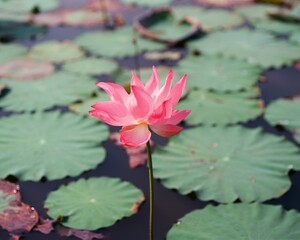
(151, 190)
(137, 57)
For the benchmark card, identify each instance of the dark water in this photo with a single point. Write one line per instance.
(169, 205)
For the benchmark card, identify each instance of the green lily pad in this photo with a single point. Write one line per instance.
(117, 43)
(50, 145)
(209, 19)
(285, 113)
(219, 73)
(84, 106)
(91, 66)
(256, 12)
(11, 51)
(221, 108)
(227, 163)
(57, 52)
(94, 203)
(278, 27)
(27, 5)
(254, 47)
(238, 221)
(58, 89)
(147, 3)
(295, 38)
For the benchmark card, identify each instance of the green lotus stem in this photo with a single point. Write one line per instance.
(151, 190)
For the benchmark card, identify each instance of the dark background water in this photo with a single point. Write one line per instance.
(169, 205)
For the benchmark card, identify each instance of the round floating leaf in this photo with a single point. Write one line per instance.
(117, 43)
(255, 47)
(10, 52)
(57, 89)
(26, 69)
(57, 52)
(285, 113)
(296, 38)
(50, 145)
(94, 203)
(238, 221)
(278, 27)
(221, 108)
(219, 73)
(209, 19)
(227, 163)
(84, 106)
(148, 3)
(91, 66)
(27, 5)
(256, 12)
(83, 18)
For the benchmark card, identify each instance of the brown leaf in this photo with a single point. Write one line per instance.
(16, 216)
(103, 5)
(224, 3)
(168, 55)
(44, 226)
(137, 156)
(26, 69)
(297, 65)
(81, 234)
(51, 19)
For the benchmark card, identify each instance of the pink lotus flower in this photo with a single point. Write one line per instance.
(147, 108)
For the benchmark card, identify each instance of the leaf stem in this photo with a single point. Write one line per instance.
(151, 190)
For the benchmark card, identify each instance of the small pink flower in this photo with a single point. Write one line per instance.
(147, 107)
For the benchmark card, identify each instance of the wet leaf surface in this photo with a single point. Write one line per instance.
(15, 216)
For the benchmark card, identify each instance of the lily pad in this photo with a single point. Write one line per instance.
(278, 27)
(83, 18)
(91, 66)
(26, 69)
(11, 51)
(285, 113)
(238, 221)
(209, 19)
(256, 12)
(27, 5)
(94, 203)
(162, 26)
(50, 145)
(296, 38)
(254, 47)
(117, 43)
(227, 163)
(219, 73)
(57, 52)
(221, 108)
(58, 89)
(147, 3)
